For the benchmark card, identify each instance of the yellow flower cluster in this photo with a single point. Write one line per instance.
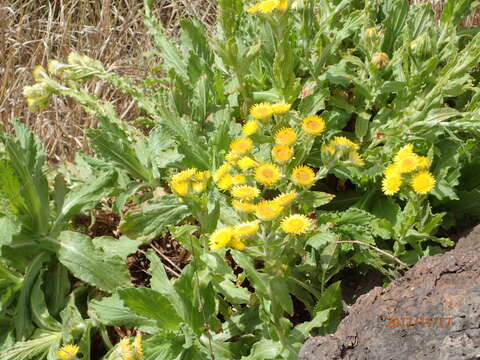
(233, 235)
(268, 6)
(68, 352)
(408, 167)
(344, 150)
(129, 351)
(189, 181)
(265, 110)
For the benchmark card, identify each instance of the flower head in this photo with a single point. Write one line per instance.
(380, 59)
(267, 6)
(180, 188)
(220, 238)
(303, 176)
(282, 153)
(391, 184)
(296, 224)
(241, 145)
(184, 175)
(391, 169)
(246, 163)
(268, 210)
(137, 344)
(286, 199)
(126, 349)
(221, 171)
(261, 111)
(286, 136)
(423, 162)
(281, 108)
(343, 142)
(267, 174)
(244, 206)
(423, 182)
(314, 125)
(226, 182)
(231, 156)
(246, 230)
(237, 243)
(407, 163)
(245, 192)
(68, 352)
(250, 127)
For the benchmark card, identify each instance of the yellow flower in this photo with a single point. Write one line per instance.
(423, 162)
(296, 224)
(231, 156)
(221, 171)
(202, 175)
(286, 136)
(391, 169)
(253, 9)
(237, 243)
(68, 352)
(282, 153)
(198, 187)
(314, 125)
(241, 145)
(405, 150)
(283, 5)
(239, 179)
(226, 182)
(261, 111)
(39, 73)
(137, 343)
(250, 127)
(329, 149)
(267, 174)
(220, 238)
(267, 6)
(246, 230)
(356, 158)
(180, 188)
(391, 184)
(245, 192)
(370, 32)
(286, 198)
(246, 163)
(303, 176)
(242, 206)
(343, 142)
(407, 163)
(126, 349)
(423, 182)
(281, 108)
(268, 210)
(184, 175)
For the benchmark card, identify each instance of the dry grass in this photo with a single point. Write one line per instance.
(112, 31)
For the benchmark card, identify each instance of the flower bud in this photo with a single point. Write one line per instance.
(380, 59)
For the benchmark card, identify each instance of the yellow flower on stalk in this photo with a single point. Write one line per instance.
(231, 156)
(281, 108)
(246, 230)
(68, 352)
(250, 127)
(261, 111)
(246, 163)
(296, 224)
(244, 206)
(267, 174)
(237, 243)
(221, 171)
(286, 199)
(220, 238)
(241, 145)
(391, 184)
(423, 182)
(184, 175)
(180, 188)
(286, 136)
(268, 210)
(282, 153)
(404, 150)
(303, 176)
(407, 163)
(245, 192)
(226, 182)
(423, 162)
(391, 169)
(314, 125)
(137, 343)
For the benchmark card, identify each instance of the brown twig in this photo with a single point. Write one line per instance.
(167, 259)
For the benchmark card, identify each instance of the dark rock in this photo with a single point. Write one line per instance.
(433, 312)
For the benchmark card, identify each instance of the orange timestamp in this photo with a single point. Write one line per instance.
(424, 322)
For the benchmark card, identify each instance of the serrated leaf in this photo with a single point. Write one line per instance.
(89, 264)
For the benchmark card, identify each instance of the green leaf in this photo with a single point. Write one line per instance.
(153, 217)
(258, 280)
(10, 228)
(91, 265)
(321, 239)
(331, 299)
(315, 199)
(280, 294)
(318, 321)
(116, 247)
(39, 310)
(152, 305)
(112, 312)
(57, 287)
(264, 350)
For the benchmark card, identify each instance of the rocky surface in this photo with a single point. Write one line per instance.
(433, 312)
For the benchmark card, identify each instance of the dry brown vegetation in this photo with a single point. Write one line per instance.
(112, 31)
